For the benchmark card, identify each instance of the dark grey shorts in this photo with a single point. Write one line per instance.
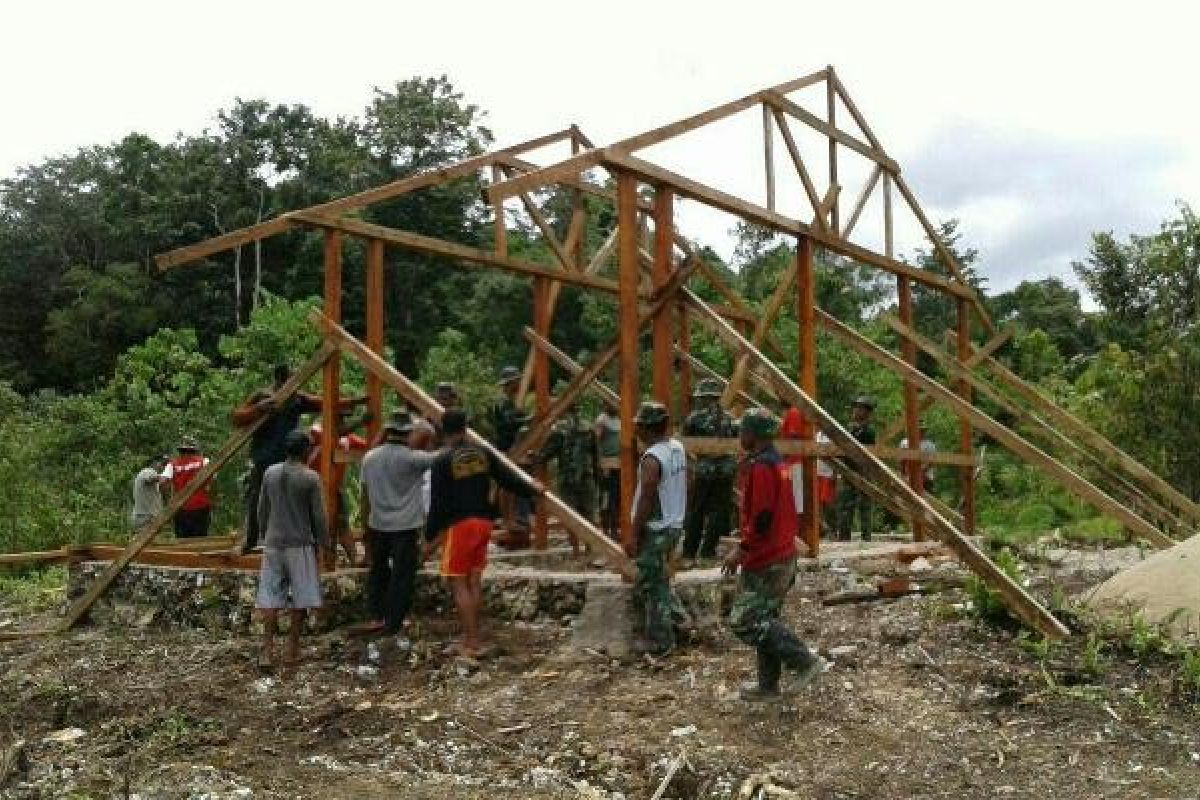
(289, 578)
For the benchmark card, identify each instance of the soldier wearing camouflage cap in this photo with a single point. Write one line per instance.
(766, 559)
(711, 514)
(659, 507)
(850, 501)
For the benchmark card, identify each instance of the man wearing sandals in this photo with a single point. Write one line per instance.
(291, 513)
(460, 519)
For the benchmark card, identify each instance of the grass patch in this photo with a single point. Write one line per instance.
(33, 590)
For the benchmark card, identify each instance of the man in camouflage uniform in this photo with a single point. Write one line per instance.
(850, 501)
(659, 505)
(766, 558)
(572, 445)
(710, 515)
(507, 420)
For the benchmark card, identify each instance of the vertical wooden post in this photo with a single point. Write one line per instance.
(627, 334)
(375, 320)
(331, 375)
(685, 366)
(913, 470)
(769, 154)
(831, 107)
(966, 445)
(541, 388)
(810, 518)
(500, 234)
(662, 327)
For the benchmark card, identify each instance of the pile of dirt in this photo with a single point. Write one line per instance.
(1164, 589)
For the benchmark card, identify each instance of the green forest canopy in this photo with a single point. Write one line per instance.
(103, 362)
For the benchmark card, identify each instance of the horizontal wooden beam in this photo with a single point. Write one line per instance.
(460, 252)
(708, 446)
(1014, 595)
(263, 230)
(750, 212)
(1007, 437)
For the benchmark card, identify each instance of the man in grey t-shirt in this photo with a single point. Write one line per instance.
(392, 486)
(291, 515)
(147, 497)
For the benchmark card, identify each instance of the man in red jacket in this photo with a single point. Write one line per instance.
(193, 518)
(766, 557)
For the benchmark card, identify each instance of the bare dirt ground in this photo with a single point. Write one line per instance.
(927, 703)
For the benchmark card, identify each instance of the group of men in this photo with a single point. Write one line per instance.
(173, 474)
(427, 487)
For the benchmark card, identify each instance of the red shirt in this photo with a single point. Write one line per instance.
(183, 470)
(768, 523)
(792, 427)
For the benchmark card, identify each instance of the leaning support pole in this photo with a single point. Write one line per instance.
(227, 452)
(414, 394)
(1017, 599)
(569, 364)
(1013, 441)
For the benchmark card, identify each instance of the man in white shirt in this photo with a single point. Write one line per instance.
(659, 508)
(147, 497)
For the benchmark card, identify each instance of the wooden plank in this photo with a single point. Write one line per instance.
(723, 201)
(1015, 597)
(1046, 431)
(810, 189)
(806, 343)
(542, 318)
(159, 557)
(736, 301)
(861, 203)
(499, 219)
(36, 557)
(711, 446)
(1077, 427)
(829, 203)
(628, 385)
(426, 405)
(662, 329)
(853, 109)
(997, 341)
(227, 452)
(783, 291)
(567, 363)
(912, 423)
(965, 434)
(831, 118)
(835, 134)
(947, 258)
(1008, 438)
(375, 332)
(769, 156)
(331, 393)
(461, 252)
(683, 351)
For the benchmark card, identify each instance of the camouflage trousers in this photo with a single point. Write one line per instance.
(761, 593)
(710, 516)
(850, 503)
(652, 585)
(581, 497)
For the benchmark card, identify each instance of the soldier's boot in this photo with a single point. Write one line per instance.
(794, 654)
(766, 688)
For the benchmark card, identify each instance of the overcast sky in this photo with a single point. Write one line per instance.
(1035, 123)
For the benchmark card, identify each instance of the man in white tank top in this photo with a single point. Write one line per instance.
(659, 507)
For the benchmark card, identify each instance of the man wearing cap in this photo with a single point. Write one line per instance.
(266, 444)
(766, 559)
(460, 519)
(446, 395)
(507, 420)
(392, 505)
(659, 507)
(710, 515)
(572, 446)
(291, 515)
(147, 493)
(193, 518)
(851, 501)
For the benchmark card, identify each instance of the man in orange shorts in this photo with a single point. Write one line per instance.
(460, 519)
